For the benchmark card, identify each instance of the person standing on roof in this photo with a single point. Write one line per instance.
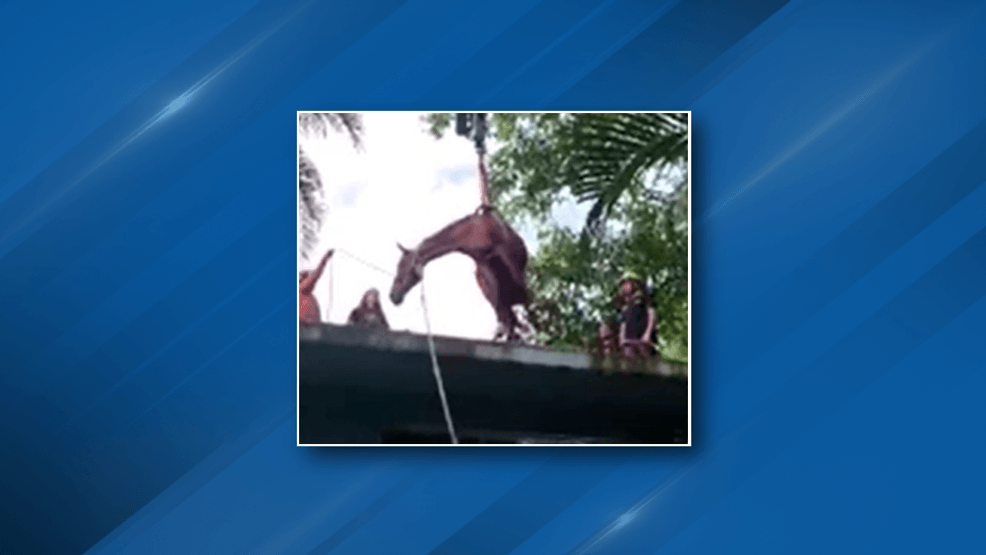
(638, 321)
(369, 313)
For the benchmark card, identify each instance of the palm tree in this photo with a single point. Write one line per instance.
(311, 209)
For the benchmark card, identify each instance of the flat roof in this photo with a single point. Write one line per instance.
(361, 386)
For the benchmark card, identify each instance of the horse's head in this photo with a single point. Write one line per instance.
(409, 272)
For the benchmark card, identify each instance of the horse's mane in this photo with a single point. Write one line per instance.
(481, 211)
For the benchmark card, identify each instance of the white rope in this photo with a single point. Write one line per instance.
(431, 341)
(331, 287)
(360, 260)
(436, 370)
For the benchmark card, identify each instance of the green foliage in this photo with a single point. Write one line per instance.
(632, 168)
(437, 123)
(574, 277)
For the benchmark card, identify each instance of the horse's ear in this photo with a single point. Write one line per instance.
(400, 246)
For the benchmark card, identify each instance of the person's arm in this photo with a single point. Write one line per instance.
(307, 285)
(646, 337)
(383, 319)
(623, 333)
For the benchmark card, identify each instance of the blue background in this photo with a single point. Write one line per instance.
(147, 276)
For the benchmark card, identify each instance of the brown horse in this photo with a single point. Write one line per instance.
(500, 256)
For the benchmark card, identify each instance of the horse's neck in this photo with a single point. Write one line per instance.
(438, 245)
(443, 242)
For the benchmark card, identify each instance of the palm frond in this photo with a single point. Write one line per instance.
(311, 209)
(319, 123)
(607, 154)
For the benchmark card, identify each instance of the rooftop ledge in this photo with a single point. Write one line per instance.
(406, 342)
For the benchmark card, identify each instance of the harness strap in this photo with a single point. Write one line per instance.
(484, 194)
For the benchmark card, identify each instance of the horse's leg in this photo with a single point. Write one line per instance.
(505, 313)
(490, 286)
(506, 256)
(503, 288)
(508, 320)
(486, 280)
(497, 293)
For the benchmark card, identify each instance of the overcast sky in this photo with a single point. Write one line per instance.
(402, 187)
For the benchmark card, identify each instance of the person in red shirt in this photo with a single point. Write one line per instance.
(308, 311)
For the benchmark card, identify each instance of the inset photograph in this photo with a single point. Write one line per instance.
(494, 278)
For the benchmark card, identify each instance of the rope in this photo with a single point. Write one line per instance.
(431, 341)
(360, 260)
(331, 287)
(436, 370)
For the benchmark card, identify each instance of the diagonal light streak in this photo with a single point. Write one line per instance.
(835, 117)
(606, 54)
(172, 108)
(176, 339)
(195, 373)
(544, 52)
